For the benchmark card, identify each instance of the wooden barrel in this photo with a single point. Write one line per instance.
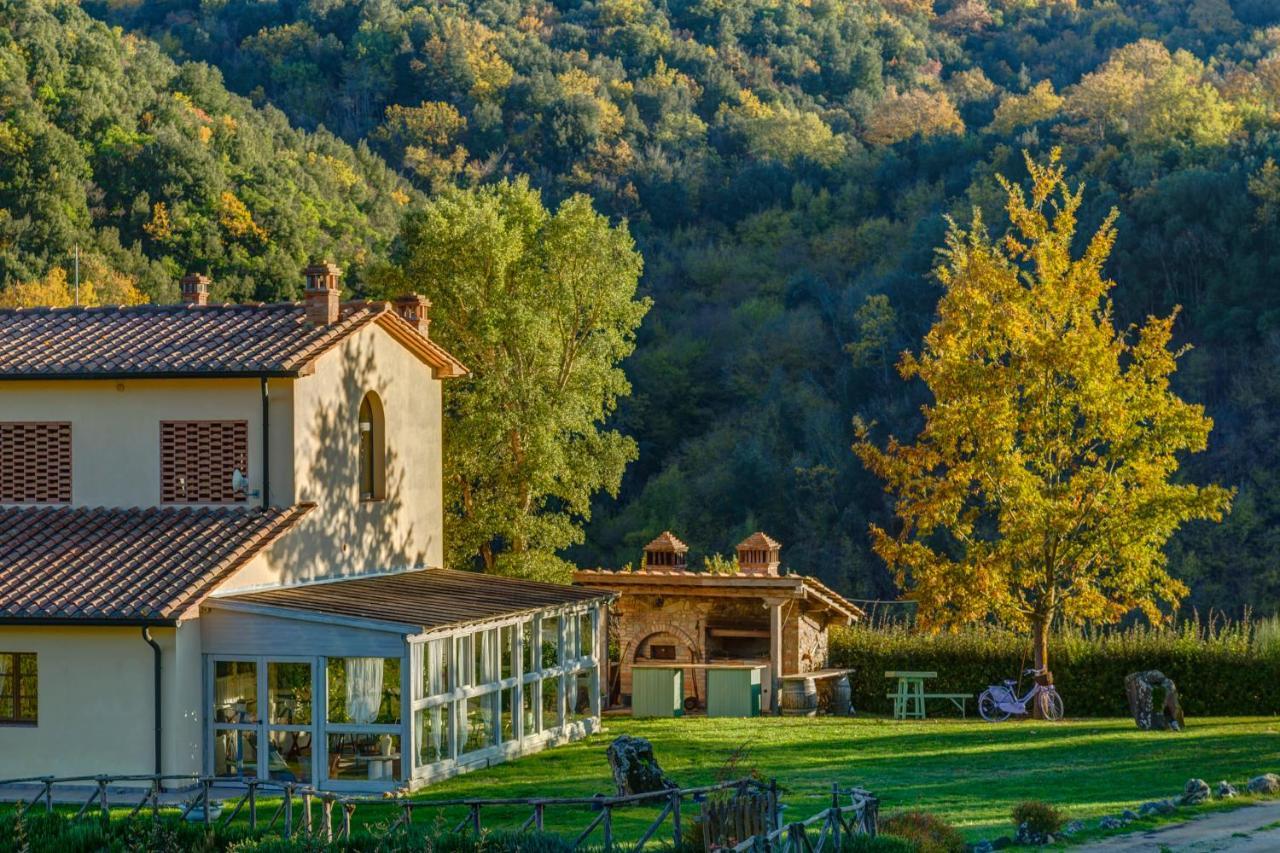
(841, 697)
(799, 697)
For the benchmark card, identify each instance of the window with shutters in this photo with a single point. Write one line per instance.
(204, 462)
(18, 689)
(35, 463)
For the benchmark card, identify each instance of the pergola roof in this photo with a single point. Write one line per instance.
(659, 582)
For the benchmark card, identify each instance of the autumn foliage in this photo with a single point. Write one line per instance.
(1042, 484)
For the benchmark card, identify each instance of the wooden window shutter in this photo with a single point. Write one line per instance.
(199, 458)
(35, 463)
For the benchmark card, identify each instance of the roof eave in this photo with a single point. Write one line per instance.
(152, 374)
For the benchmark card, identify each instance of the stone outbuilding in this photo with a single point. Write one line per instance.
(757, 614)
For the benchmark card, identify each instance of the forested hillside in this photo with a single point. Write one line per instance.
(786, 167)
(154, 169)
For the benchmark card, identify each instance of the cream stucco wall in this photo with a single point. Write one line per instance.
(96, 701)
(344, 535)
(115, 429)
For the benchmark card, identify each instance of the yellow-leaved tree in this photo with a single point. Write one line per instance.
(1041, 486)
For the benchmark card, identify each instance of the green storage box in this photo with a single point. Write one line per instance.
(734, 692)
(657, 692)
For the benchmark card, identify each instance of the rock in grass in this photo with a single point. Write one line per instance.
(635, 770)
(1073, 827)
(1267, 783)
(1129, 816)
(1157, 807)
(1225, 790)
(1195, 792)
(1111, 822)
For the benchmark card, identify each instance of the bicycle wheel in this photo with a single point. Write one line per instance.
(1052, 706)
(990, 709)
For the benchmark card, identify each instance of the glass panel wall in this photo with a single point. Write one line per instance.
(235, 718)
(484, 690)
(262, 702)
(363, 718)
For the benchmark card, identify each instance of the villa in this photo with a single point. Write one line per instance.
(220, 546)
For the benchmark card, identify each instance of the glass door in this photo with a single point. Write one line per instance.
(262, 724)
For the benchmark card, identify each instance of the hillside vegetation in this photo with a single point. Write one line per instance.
(786, 167)
(154, 168)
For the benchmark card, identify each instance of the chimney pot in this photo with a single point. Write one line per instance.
(195, 289)
(415, 309)
(758, 554)
(322, 293)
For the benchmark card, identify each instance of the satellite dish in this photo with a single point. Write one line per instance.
(239, 482)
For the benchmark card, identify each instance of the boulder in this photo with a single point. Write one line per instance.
(1157, 807)
(635, 770)
(1225, 790)
(1111, 822)
(1195, 792)
(1140, 688)
(1074, 827)
(1267, 783)
(1129, 816)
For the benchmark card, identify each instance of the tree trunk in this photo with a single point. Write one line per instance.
(1040, 660)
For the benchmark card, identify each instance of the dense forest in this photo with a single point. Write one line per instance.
(785, 166)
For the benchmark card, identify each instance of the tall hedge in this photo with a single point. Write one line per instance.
(1220, 669)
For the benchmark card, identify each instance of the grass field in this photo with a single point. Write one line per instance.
(970, 773)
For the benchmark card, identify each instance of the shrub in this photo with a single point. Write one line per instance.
(1041, 818)
(1220, 667)
(926, 833)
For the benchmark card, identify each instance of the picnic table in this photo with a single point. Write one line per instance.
(908, 700)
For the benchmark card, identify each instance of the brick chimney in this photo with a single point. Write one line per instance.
(416, 311)
(195, 289)
(666, 553)
(758, 555)
(322, 293)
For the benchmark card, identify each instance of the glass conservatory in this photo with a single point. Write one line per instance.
(346, 693)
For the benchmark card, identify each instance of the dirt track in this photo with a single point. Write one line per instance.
(1251, 829)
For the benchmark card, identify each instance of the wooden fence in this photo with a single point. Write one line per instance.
(739, 815)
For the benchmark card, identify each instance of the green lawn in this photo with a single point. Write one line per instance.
(969, 772)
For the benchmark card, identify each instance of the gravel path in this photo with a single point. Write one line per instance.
(1251, 829)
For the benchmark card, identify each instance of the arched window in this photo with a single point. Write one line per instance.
(373, 443)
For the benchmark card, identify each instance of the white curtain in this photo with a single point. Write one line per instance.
(435, 668)
(364, 689)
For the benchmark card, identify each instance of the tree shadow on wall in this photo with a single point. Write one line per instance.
(344, 535)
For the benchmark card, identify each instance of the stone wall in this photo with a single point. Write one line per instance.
(641, 621)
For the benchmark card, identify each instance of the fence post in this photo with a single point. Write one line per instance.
(155, 798)
(677, 831)
(775, 818)
(347, 809)
(306, 818)
(253, 805)
(608, 828)
(288, 811)
(833, 817)
(102, 802)
(204, 800)
(48, 793)
(475, 819)
(538, 815)
(327, 809)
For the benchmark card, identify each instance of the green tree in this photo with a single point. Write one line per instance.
(542, 308)
(1042, 483)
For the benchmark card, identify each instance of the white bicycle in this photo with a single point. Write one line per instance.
(999, 702)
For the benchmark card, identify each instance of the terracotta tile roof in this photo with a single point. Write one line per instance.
(130, 565)
(190, 340)
(430, 598)
(759, 541)
(666, 541)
